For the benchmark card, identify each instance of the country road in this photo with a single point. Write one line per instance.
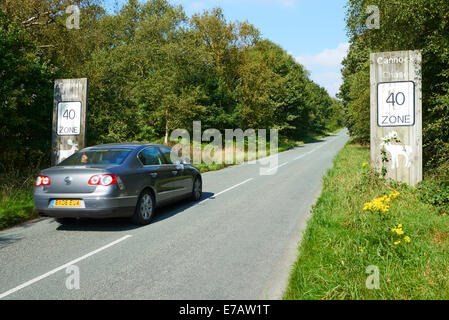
(237, 243)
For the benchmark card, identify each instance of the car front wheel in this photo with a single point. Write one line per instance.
(197, 189)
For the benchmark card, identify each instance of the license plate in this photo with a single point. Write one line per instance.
(65, 203)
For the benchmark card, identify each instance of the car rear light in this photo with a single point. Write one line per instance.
(94, 180)
(103, 180)
(42, 181)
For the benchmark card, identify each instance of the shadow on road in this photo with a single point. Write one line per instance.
(5, 241)
(316, 141)
(173, 209)
(124, 224)
(311, 139)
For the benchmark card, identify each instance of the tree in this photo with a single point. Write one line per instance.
(25, 96)
(225, 45)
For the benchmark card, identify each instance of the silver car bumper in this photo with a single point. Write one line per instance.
(93, 205)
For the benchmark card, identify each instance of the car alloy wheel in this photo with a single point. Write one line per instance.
(144, 212)
(146, 207)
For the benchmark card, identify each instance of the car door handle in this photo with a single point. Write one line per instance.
(175, 172)
(153, 174)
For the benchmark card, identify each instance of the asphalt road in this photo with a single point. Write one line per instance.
(237, 243)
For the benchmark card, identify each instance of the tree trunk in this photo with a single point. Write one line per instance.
(166, 127)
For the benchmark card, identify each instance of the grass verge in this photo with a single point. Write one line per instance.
(342, 239)
(16, 197)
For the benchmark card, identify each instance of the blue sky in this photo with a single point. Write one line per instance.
(312, 31)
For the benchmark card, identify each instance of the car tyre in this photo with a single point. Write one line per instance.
(197, 189)
(144, 212)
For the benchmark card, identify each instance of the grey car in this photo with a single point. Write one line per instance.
(116, 180)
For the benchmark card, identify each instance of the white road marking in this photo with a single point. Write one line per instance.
(230, 188)
(297, 158)
(303, 155)
(275, 168)
(28, 283)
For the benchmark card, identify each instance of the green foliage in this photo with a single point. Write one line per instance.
(25, 96)
(435, 192)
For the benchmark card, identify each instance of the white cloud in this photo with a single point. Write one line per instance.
(327, 58)
(325, 66)
(327, 76)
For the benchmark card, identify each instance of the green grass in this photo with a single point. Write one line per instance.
(283, 145)
(341, 240)
(16, 197)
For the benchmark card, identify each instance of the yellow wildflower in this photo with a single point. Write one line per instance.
(407, 239)
(393, 194)
(398, 242)
(398, 230)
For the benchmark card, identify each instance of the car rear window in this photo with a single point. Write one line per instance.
(99, 156)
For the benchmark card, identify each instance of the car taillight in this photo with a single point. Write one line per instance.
(103, 180)
(94, 180)
(42, 181)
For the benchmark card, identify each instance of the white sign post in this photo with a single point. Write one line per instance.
(69, 118)
(396, 113)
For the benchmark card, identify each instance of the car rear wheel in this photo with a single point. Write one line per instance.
(144, 212)
(197, 189)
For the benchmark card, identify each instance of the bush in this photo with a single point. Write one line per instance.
(436, 193)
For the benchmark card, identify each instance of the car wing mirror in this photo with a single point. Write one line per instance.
(186, 161)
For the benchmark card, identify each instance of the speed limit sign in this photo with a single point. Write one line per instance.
(396, 104)
(69, 118)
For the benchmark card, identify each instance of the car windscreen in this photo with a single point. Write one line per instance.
(96, 157)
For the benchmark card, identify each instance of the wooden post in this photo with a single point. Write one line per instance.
(69, 118)
(396, 114)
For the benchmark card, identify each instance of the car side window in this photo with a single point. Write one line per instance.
(150, 156)
(171, 157)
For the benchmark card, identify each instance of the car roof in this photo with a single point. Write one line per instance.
(129, 145)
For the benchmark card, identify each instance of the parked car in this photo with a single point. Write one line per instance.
(116, 180)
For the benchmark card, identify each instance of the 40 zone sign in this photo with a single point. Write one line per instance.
(396, 104)
(69, 118)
